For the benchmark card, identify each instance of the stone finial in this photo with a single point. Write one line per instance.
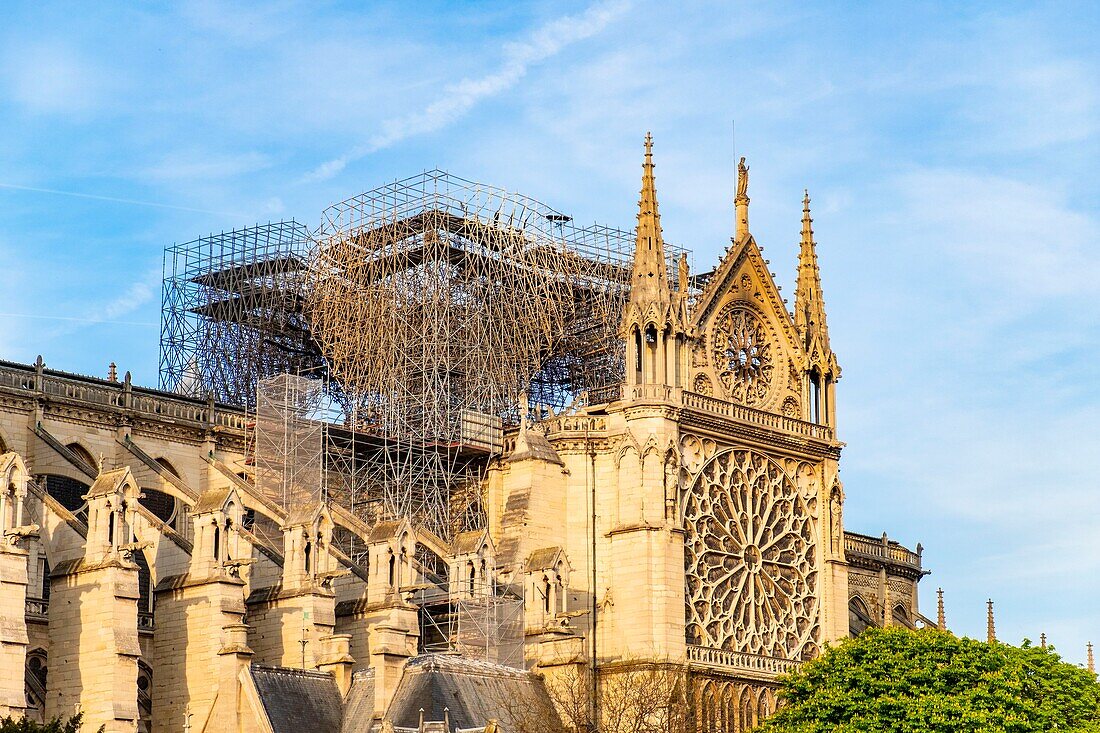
(741, 200)
(1091, 660)
(990, 629)
(1043, 641)
(941, 617)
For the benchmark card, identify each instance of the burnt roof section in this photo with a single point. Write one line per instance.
(297, 701)
(474, 692)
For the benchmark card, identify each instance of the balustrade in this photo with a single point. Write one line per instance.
(37, 609)
(739, 660)
(97, 392)
(884, 550)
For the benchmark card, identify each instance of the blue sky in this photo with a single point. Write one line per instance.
(951, 151)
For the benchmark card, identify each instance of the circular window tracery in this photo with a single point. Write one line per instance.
(751, 559)
(742, 354)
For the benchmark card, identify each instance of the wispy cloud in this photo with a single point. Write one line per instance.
(458, 99)
(114, 199)
(203, 165)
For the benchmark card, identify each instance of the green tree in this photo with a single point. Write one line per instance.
(24, 725)
(928, 681)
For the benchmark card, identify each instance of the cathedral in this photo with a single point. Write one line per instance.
(679, 527)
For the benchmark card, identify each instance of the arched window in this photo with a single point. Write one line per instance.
(815, 396)
(473, 575)
(637, 351)
(68, 492)
(748, 709)
(162, 505)
(144, 695)
(545, 594)
(393, 570)
(217, 543)
(859, 618)
(145, 584)
(83, 454)
(764, 708)
(901, 617)
(168, 467)
(36, 665)
(308, 553)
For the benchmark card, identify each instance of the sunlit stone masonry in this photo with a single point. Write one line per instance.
(428, 466)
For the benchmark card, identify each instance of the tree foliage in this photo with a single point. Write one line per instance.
(26, 725)
(929, 681)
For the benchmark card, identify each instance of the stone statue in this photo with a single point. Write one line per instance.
(742, 178)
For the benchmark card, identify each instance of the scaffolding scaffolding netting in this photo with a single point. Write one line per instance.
(288, 439)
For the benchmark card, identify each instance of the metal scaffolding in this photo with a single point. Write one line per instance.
(482, 622)
(232, 312)
(431, 309)
(289, 441)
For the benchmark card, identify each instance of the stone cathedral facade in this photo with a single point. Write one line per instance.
(691, 518)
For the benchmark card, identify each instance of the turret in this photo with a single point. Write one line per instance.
(820, 367)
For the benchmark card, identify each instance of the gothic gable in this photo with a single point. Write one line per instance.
(747, 349)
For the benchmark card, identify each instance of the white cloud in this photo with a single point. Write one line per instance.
(458, 99)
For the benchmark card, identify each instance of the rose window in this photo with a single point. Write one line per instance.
(742, 355)
(751, 559)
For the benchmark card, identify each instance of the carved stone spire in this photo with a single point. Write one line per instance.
(649, 283)
(941, 617)
(809, 303)
(990, 629)
(1091, 659)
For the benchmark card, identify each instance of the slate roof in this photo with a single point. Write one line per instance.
(296, 700)
(473, 691)
(359, 704)
(531, 444)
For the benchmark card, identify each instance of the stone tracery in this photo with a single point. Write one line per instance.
(742, 354)
(751, 559)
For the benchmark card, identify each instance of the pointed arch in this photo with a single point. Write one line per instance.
(859, 615)
(83, 454)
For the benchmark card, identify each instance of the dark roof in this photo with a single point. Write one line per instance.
(474, 693)
(296, 701)
(359, 704)
(533, 445)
